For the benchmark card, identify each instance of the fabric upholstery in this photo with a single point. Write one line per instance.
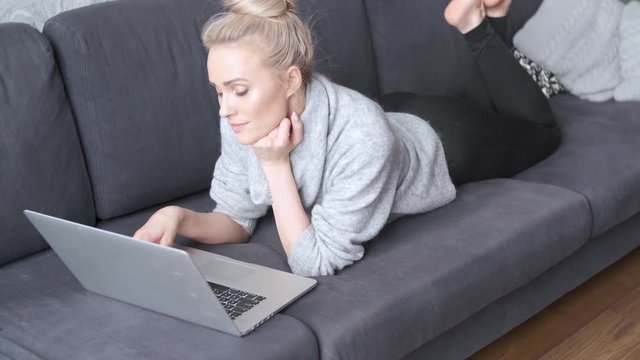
(431, 56)
(344, 52)
(41, 163)
(424, 274)
(417, 51)
(45, 310)
(511, 310)
(136, 77)
(147, 121)
(598, 157)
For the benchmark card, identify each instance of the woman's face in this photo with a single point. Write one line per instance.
(251, 96)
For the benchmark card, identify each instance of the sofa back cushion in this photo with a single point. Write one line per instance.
(340, 29)
(136, 77)
(417, 51)
(344, 50)
(41, 162)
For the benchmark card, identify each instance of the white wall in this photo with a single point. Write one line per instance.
(36, 12)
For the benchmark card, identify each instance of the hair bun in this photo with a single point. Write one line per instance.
(262, 8)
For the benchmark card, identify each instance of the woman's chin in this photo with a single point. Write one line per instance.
(245, 139)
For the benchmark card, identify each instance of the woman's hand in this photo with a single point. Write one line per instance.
(273, 152)
(161, 227)
(276, 146)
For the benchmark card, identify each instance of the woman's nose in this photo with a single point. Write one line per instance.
(224, 107)
(223, 112)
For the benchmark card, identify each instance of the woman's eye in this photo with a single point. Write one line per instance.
(242, 92)
(219, 94)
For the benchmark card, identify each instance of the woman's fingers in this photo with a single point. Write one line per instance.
(146, 234)
(284, 131)
(167, 238)
(161, 228)
(277, 145)
(298, 129)
(159, 236)
(141, 234)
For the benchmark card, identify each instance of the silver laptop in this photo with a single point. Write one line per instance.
(190, 284)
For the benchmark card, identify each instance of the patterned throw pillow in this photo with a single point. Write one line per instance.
(547, 81)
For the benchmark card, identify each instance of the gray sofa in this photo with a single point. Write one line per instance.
(107, 115)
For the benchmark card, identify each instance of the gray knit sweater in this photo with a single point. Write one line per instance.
(355, 169)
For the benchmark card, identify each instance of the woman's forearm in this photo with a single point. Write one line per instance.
(291, 219)
(210, 228)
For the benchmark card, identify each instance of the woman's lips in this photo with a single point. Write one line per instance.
(237, 127)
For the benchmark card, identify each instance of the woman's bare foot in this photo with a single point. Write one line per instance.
(497, 8)
(465, 15)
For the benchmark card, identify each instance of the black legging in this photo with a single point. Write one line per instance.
(481, 144)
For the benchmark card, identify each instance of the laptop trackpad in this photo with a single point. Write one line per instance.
(225, 271)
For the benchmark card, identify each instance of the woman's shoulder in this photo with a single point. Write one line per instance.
(346, 95)
(351, 108)
(355, 122)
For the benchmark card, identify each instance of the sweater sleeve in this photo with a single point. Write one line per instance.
(352, 210)
(230, 185)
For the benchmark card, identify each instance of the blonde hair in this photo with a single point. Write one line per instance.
(275, 26)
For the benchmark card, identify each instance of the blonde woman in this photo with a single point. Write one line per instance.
(333, 166)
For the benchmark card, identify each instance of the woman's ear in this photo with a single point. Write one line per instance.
(293, 80)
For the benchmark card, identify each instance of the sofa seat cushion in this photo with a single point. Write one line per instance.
(424, 274)
(598, 158)
(45, 312)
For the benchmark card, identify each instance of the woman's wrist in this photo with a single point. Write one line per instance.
(178, 214)
(276, 168)
(291, 219)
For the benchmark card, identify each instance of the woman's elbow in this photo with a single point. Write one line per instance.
(319, 267)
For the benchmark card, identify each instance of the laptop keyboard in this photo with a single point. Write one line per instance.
(235, 302)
